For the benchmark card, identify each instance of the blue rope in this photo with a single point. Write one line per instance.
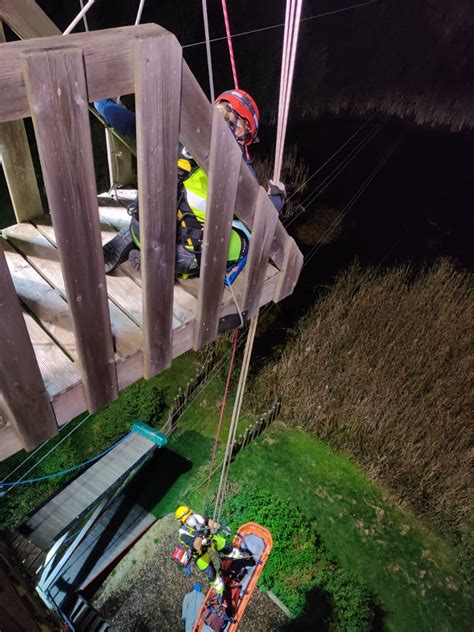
(234, 272)
(67, 471)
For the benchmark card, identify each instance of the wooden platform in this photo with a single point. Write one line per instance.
(33, 262)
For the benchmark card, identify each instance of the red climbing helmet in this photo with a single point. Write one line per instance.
(243, 105)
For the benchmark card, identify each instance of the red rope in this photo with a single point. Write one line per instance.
(221, 418)
(229, 43)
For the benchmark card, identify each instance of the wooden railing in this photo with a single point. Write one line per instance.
(53, 79)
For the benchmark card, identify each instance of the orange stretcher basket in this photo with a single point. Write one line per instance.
(240, 578)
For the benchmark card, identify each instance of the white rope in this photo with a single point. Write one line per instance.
(139, 13)
(235, 417)
(208, 50)
(78, 17)
(278, 26)
(46, 455)
(290, 43)
(84, 17)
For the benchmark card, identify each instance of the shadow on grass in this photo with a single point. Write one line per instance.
(318, 614)
(157, 477)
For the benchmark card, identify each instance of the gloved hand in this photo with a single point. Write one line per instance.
(276, 188)
(134, 258)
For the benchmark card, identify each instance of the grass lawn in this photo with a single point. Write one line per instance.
(411, 572)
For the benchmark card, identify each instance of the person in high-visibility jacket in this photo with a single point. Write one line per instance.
(201, 535)
(241, 113)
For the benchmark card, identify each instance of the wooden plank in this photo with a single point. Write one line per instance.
(290, 271)
(158, 92)
(42, 300)
(21, 384)
(119, 159)
(27, 19)
(57, 93)
(60, 375)
(108, 61)
(44, 257)
(9, 440)
(223, 182)
(15, 156)
(265, 220)
(19, 172)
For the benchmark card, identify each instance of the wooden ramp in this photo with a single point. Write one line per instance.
(67, 507)
(70, 337)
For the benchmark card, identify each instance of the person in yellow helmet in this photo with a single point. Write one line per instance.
(201, 535)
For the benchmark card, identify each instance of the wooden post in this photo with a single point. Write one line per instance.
(119, 158)
(158, 93)
(27, 19)
(17, 165)
(21, 384)
(224, 168)
(290, 270)
(264, 223)
(57, 95)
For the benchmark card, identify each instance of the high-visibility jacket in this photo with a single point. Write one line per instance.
(192, 213)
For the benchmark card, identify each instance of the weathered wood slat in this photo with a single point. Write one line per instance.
(41, 299)
(57, 94)
(61, 376)
(15, 156)
(19, 172)
(223, 182)
(108, 61)
(158, 91)
(119, 159)
(109, 67)
(265, 220)
(21, 384)
(290, 271)
(44, 257)
(27, 19)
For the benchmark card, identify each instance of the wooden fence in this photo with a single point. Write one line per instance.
(252, 432)
(184, 395)
(53, 79)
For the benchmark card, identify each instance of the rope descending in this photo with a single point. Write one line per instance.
(229, 44)
(290, 42)
(208, 50)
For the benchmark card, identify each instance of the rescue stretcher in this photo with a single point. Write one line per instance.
(240, 578)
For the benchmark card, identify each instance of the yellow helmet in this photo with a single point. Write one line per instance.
(183, 513)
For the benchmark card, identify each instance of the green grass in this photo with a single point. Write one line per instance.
(411, 572)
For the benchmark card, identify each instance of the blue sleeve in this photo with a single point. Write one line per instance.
(117, 116)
